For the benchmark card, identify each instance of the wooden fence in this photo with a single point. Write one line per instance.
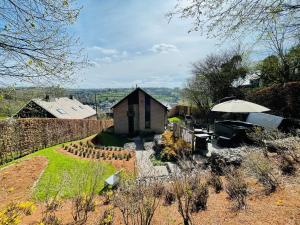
(186, 134)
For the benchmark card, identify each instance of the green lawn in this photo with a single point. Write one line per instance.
(110, 139)
(66, 175)
(2, 117)
(176, 119)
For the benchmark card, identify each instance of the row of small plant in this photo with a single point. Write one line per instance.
(97, 154)
(90, 145)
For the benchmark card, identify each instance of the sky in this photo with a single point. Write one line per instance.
(132, 43)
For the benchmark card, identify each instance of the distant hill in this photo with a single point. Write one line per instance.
(12, 99)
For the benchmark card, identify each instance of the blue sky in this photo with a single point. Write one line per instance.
(131, 42)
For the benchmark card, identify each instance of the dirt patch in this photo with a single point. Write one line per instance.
(281, 207)
(16, 181)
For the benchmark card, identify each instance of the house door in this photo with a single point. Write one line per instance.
(131, 125)
(130, 115)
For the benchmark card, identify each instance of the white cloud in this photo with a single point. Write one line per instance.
(164, 48)
(105, 51)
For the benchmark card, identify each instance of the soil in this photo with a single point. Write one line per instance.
(281, 207)
(17, 180)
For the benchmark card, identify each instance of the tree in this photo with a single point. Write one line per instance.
(232, 17)
(275, 69)
(270, 70)
(34, 42)
(197, 92)
(217, 73)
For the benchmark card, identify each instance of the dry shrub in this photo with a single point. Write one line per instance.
(200, 196)
(169, 197)
(137, 202)
(216, 182)
(287, 166)
(217, 164)
(236, 188)
(191, 195)
(262, 169)
(84, 201)
(107, 218)
(289, 147)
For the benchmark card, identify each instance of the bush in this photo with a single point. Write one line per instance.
(26, 207)
(169, 198)
(98, 155)
(283, 100)
(217, 164)
(287, 166)
(262, 169)
(107, 218)
(236, 188)
(200, 196)
(216, 182)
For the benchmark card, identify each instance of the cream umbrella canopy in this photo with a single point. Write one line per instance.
(238, 106)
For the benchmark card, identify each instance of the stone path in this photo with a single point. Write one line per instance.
(145, 166)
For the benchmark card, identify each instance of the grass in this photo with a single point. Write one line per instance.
(2, 117)
(63, 174)
(176, 119)
(110, 139)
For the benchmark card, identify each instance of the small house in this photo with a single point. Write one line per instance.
(60, 108)
(139, 112)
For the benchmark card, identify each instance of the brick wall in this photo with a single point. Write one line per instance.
(22, 136)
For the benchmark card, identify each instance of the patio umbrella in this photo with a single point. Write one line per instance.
(239, 106)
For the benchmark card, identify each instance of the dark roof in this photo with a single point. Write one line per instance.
(139, 89)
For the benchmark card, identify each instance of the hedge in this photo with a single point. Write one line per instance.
(19, 137)
(283, 100)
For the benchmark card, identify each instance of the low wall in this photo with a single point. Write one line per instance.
(23, 136)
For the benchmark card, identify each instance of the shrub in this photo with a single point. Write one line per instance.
(26, 207)
(80, 143)
(287, 166)
(107, 217)
(200, 196)
(216, 182)
(84, 154)
(108, 197)
(236, 188)
(158, 190)
(98, 155)
(262, 169)
(51, 219)
(169, 197)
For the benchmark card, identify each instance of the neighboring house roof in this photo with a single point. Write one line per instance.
(139, 89)
(66, 108)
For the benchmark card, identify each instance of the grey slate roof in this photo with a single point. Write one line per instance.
(66, 108)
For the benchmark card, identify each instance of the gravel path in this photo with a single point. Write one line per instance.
(145, 166)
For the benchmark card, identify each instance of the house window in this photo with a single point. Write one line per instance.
(61, 111)
(74, 108)
(147, 112)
